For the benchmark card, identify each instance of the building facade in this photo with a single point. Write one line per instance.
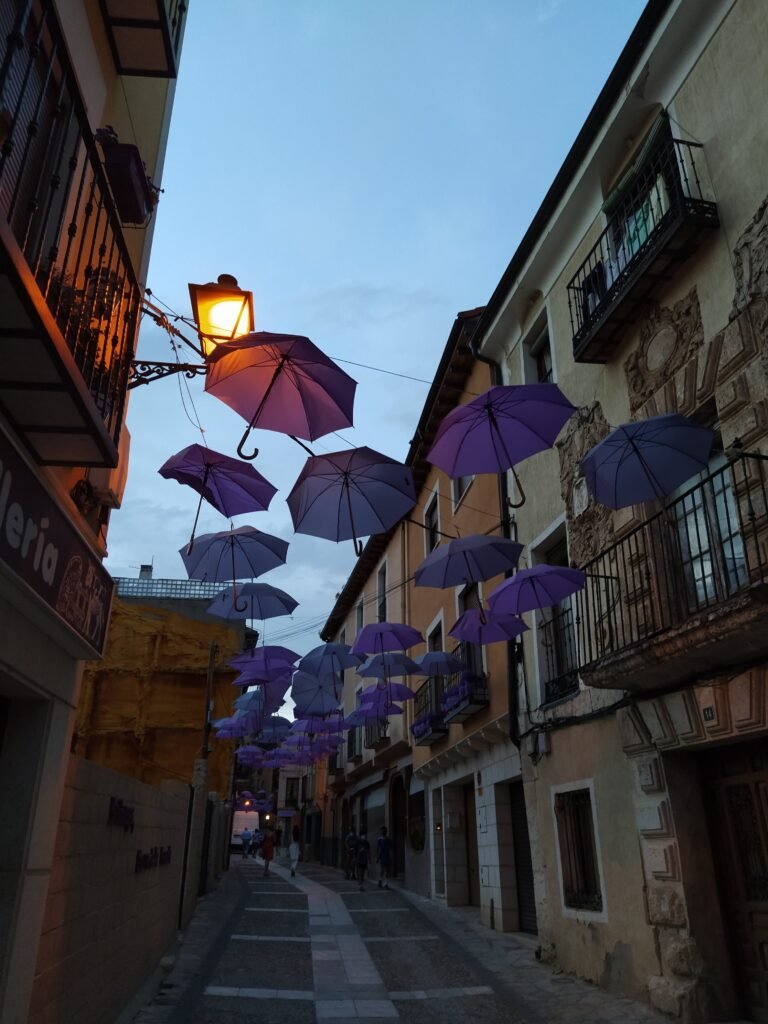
(70, 292)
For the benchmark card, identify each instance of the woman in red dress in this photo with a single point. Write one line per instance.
(268, 848)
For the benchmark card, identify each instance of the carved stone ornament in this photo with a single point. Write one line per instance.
(590, 526)
(751, 268)
(668, 339)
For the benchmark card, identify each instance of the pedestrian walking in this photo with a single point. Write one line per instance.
(245, 838)
(384, 857)
(362, 858)
(350, 845)
(294, 849)
(267, 849)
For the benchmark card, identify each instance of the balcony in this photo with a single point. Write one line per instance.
(70, 301)
(656, 223)
(377, 735)
(466, 692)
(355, 745)
(145, 35)
(428, 720)
(558, 653)
(684, 594)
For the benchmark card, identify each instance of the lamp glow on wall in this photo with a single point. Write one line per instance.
(222, 311)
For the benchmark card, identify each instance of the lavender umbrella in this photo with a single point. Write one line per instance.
(477, 626)
(314, 696)
(368, 713)
(390, 663)
(234, 554)
(328, 660)
(646, 460)
(539, 587)
(498, 429)
(270, 656)
(262, 601)
(350, 494)
(377, 637)
(387, 691)
(231, 486)
(439, 663)
(281, 382)
(467, 560)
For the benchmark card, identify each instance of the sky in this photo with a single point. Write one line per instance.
(367, 170)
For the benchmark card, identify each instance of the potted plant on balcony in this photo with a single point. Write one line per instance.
(133, 190)
(429, 724)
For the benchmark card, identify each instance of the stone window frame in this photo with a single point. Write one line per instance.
(432, 505)
(579, 913)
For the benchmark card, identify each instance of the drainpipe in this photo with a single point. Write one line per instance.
(508, 529)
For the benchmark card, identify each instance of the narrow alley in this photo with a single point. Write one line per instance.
(313, 947)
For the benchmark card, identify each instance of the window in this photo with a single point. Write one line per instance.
(359, 616)
(537, 355)
(578, 850)
(291, 792)
(381, 593)
(432, 525)
(556, 632)
(472, 654)
(435, 638)
(459, 487)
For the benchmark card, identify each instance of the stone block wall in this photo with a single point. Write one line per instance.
(113, 899)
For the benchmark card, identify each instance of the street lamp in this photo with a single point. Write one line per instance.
(222, 311)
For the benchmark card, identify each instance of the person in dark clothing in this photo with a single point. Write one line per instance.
(362, 858)
(350, 847)
(384, 857)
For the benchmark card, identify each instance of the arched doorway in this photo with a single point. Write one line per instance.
(398, 806)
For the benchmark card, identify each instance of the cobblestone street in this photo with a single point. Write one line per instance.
(296, 950)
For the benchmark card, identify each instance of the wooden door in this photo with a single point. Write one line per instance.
(473, 867)
(736, 783)
(526, 899)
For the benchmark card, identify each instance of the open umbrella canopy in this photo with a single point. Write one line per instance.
(477, 626)
(385, 692)
(467, 560)
(234, 554)
(377, 637)
(390, 663)
(313, 696)
(270, 656)
(257, 601)
(439, 663)
(282, 382)
(539, 587)
(275, 729)
(328, 660)
(503, 426)
(350, 494)
(368, 713)
(230, 485)
(314, 724)
(646, 460)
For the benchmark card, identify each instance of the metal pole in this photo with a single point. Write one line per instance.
(208, 699)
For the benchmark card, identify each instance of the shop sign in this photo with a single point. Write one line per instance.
(40, 545)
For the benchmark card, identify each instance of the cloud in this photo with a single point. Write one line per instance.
(353, 306)
(545, 10)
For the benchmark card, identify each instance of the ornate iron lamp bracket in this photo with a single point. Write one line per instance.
(143, 372)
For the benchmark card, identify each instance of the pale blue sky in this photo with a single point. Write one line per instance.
(367, 169)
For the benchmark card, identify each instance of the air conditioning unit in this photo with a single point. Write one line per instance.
(109, 484)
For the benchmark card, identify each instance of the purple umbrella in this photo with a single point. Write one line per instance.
(390, 663)
(477, 626)
(231, 486)
(368, 713)
(467, 560)
(646, 460)
(314, 724)
(350, 494)
(386, 691)
(262, 601)
(270, 656)
(281, 382)
(439, 663)
(313, 696)
(539, 587)
(377, 637)
(328, 660)
(234, 554)
(503, 426)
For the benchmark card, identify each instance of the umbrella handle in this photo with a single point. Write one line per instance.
(197, 514)
(241, 453)
(517, 504)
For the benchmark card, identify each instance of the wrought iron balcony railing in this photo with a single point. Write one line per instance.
(355, 744)
(377, 735)
(64, 238)
(558, 652)
(658, 221)
(465, 692)
(428, 721)
(683, 570)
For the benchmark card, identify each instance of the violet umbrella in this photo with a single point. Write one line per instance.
(329, 660)
(539, 587)
(350, 494)
(262, 601)
(503, 426)
(368, 713)
(231, 486)
(314, 696)
(646, 460)
(439, 663)
(386, 690)
(467, 560)
(389, 663)
(377, 637)
(270, 657)
(281, 382)
(477, 626)
(234, 554)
